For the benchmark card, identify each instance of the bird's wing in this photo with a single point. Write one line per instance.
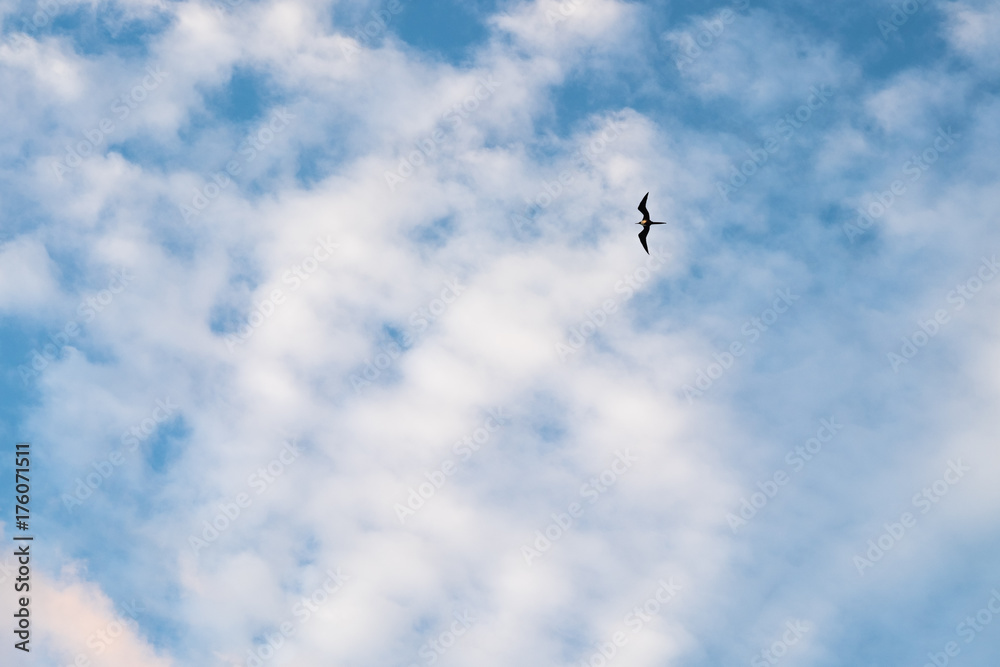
(642, 238)
(642, 207)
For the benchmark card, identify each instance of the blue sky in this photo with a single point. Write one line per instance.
(331, 333)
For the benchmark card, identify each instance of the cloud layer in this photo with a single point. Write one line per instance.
(337, 346)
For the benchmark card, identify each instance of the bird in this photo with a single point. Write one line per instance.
(645, 222)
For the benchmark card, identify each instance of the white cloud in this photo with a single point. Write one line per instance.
(730, 63)
(27, 276)
(74, 622)
(495, 344)
(969, 30)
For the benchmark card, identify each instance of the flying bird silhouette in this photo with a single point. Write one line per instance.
(646, 222)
